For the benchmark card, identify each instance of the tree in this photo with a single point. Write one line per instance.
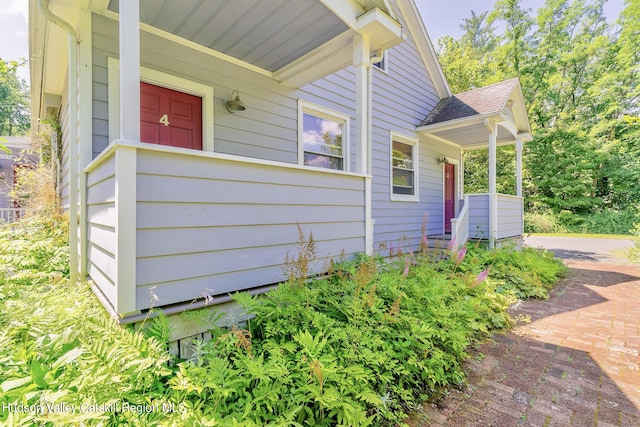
(514, 51)
(14, 100)
(581, 84)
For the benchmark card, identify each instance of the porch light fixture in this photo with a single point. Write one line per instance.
(235, 104)
(442, 159)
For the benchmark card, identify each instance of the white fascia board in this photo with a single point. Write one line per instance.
(457, 123)
(383, 31)
(425, 47)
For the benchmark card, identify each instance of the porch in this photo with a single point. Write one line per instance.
(485, 118)
(169, 226)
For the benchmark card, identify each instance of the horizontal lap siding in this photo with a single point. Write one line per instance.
(402, 98)
(216, 226)
(101, 232)
(509, 217)
(63, 185)
(266, 130)
(479, 216)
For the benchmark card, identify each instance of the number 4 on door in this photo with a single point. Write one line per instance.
(164, 120)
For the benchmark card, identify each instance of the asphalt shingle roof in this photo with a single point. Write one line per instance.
(485, 100)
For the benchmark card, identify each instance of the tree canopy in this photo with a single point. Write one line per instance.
(580, 77)
(14, 100)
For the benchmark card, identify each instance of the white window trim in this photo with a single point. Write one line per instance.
(413, 142)
(457, 190)
(165, 80)
(320, 111)
(385, 63)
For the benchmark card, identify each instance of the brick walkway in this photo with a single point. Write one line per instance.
(575, 364)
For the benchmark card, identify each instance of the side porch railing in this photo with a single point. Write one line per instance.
(8, 215)
(460, 225)
(474, 219)
(167, 225)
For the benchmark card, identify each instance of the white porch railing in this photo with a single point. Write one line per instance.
(8, 215)
(508, 216)
(460, 225)
(168, 225)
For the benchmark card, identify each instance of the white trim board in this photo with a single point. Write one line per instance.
(168, 81)
(324, 112)
(415, 143)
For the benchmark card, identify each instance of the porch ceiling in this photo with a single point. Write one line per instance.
(268, 34)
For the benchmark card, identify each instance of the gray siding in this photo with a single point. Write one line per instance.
(402, 98)
(510, 220)
(208, 225)
(101, 227)
(479, 216)
(266, 130)
(63, 185)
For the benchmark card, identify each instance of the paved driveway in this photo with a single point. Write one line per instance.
(581, 249)
(576, 363)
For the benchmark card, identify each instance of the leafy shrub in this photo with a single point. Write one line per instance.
(634, 252)
(542, 223)
(529, 273)
(605, 222)
(360, 346)
(58, 345)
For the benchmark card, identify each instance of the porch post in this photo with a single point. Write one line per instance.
(126, 157)
(129, 39)
(493, 198)
(362, 63)
(519, 167)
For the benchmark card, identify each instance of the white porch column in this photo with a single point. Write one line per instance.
(130, 70)
(125, 157)
(519, 167)
(362, 63)
(493, 198)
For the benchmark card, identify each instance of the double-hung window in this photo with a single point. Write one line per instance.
(404, 168)
(323, 137)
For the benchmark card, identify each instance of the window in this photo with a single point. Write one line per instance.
(404, 169)
(323, 137)
(382, 64)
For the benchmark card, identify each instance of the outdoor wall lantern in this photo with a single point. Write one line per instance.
(442, 159)
(235, 104)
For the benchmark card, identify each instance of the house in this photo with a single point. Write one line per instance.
(11, 162)
(197, 135)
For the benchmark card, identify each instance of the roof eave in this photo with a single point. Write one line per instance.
(458, 123)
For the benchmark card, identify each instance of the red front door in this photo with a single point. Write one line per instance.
(449, 196)
(169, 117)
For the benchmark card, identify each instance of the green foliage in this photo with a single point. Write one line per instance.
(579, 77)
(14, 100)
(562, 164)
(360, 346)
(58, 345)
(605, 222)
(526, 274)
(542, 223)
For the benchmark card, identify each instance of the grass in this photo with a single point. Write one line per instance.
(586, 235)
(362, 345)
